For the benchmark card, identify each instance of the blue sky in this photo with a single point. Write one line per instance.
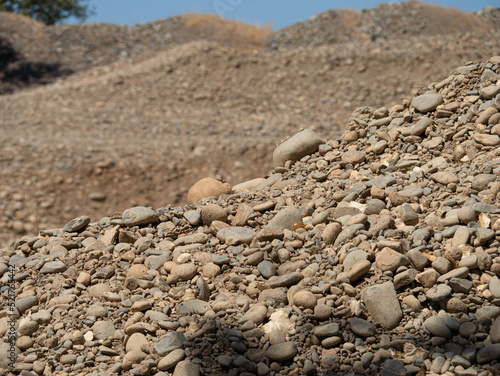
(280, 13)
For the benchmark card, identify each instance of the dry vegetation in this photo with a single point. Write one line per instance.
(226, 32)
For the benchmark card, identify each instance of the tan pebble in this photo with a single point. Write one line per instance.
(207, 187)
(137, 271)
(304, 299)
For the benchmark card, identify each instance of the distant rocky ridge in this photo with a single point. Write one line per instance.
(377, 252)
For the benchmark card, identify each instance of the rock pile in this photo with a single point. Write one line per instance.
(375, 252)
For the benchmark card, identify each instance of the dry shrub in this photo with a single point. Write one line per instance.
(226, 32)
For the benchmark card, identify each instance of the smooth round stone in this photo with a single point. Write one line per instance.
(359, 269)
(185, 272)
(136, 342)
(103, 330)
(488, 353)
(97, 310)
(362, 327)
(192, 306)
(495, 331)
(427, 102)
(186, 368)
(467, 329)
(278, 295)
(494, 287)
(354, 157)
(305, 299)
(282, 351)
(445, 177)
(139, 215)
(439, 292)
(437, 326)
(256, 314)
(276, 337)
(68, 359)
(211, 270)
(374, 206)
(267, 269)
(171, 360)
(296, 147)
(326, 330)
(24, 342)
(466, 214)
(442, 265)
(207, 187)
(323, 312)
(137, 271)
(236, 235)
(53, 267)
(28, 328)
(331, 232)
(213, 212)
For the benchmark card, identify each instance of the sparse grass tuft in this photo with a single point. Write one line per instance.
(226, 32)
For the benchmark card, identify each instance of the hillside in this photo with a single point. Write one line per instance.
(192, 107)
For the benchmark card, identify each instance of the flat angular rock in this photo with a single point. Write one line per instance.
(76, 224)
(427, 102)
(389, 259)
(382, 304)
(296, 147)
(139, 215)
(286, 218)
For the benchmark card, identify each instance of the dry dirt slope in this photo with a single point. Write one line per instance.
(141, 130)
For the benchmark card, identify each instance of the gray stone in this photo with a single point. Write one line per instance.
(76, 224)
(417, 258)
(236, 235)
(382, 304)
(192, 306)
(267, 269)
(171, 360)
(186, 368)
(488, 353)
(362, 327)
(438, 292)
(494, 286)
(296, 147)
(286, 218)
(427, 102)
(103, 330)
(445, 177)
(420, 126)
(437, 326)
(139, 215)
(326, 330)
(23, 304)
(282, 351)
(173, 340)
(495, 331)
(393, 367)
(193, 217)
(53, 267)
(257, 314)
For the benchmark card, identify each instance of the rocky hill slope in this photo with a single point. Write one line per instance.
(377, 252)
(134, 115)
